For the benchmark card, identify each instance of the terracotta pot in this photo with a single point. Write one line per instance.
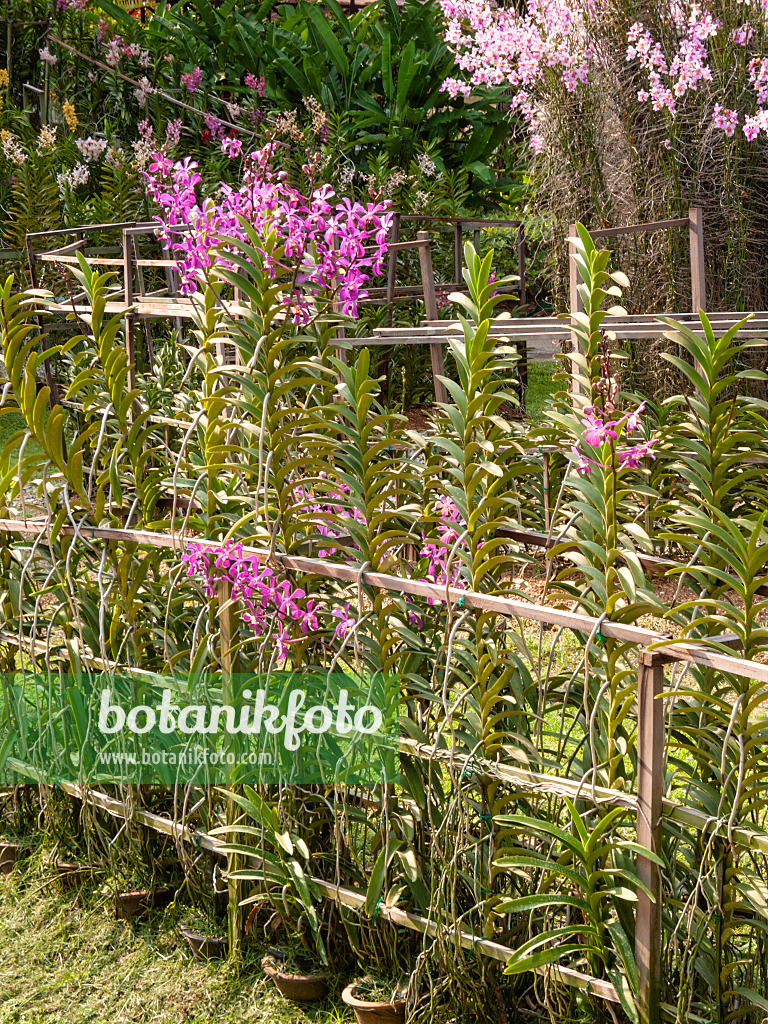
(205, 947)
(301, 988)
(10, 853)
(373, 1013)
(135, 904)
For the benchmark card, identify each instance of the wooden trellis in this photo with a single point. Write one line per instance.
(649, 805)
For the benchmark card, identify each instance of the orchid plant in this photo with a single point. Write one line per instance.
(327, 249)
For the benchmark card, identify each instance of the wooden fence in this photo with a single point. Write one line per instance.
(655, 650)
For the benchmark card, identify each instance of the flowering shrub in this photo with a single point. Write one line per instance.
(635, 114)
(506, 47)
(561, 37)
(324, 246)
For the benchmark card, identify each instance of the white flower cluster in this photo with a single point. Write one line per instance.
(173, 132)
(319, 116)
(114, 53)
(397, 179)
(47, 138)
(142, 151)
(12, 149)
(47, 56)
(115, 156)
(346, 174)
(426, 164)
(91, 149)
(234, 111)
(77, 176)
(145, 89)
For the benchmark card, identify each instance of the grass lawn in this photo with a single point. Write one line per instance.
(9, 423)
(541, 387)
(66, 959)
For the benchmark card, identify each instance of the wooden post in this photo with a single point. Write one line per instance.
(430, 309)
(458, 252)
(53, 397)
(130, 319)
(228, 633)
(9, 49)
(545, 489)
(698, 278)
(521, 263)
(576, 305)
(650, 791)
(46, 94)
(392, 268)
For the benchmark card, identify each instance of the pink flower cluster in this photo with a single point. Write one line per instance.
(214, 126)
(688, 68)
(668, 81)
(192, 80)
(438, 553)
(258, 84)
(270, 607)
(505, 47)
(331, 246)
(116, 49)
(530, 47)
(232, 147)
(725, 119)
(601, 431)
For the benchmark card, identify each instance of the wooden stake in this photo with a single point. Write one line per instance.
(228, 632)
(458, 252)
(521, 263)
(576, 305)
(650, 793)
(696, 241)
(430, 308)
(130, 319)
(54, 397)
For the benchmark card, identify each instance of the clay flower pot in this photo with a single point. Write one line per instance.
(130, 905)
(373, 1013)
(205, 947)
(10, 854)
(301, 988)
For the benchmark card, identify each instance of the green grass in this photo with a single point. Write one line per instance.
(541, 387)
(65, 958)
(11, 423)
